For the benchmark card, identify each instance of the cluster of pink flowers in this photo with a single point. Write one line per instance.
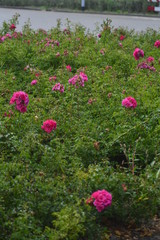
(58, 87)
(49, 42)
(157, 43)
(144, 65)
(34, 82)
(10, 36)
(49, 125)
(138, 53)
(21, 99)
(129, 102)
(100, 199)
(78, 80)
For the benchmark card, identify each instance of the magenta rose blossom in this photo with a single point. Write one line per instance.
(157, 43)
(58, 87)
(122, 38)
(12, 27)
(138, 53)
(34, 82)
(129, 102)
(68, 67)
(78, 80)
(49, 125)
(21, 100)
(101, 199)
(52, 78)
(150, 59)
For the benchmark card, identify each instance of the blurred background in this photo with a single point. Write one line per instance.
(118, 6)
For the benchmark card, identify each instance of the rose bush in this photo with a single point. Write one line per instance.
(50, 167)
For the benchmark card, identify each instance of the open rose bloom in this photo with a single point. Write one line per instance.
(129, 102)
(12, 27)
(78, 80)
(58, 87)
(138, 53)
(157, 44)
(34, 82)
(21, 100)
(101, 199)
(49, 125)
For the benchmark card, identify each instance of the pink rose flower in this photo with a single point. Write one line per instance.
(12, 27)
(57, 54)
(150, 59)
(52, 78)
(58, 87)
(49, 125)
(157, 43)
(68, 67)
(122, 38)
(100, 199)
(8, 35)
(138, 53)
(129, 102)
(21, 100)
(3, 38)
(78, 80)
(34, 82)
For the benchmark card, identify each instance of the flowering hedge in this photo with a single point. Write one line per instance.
(79, 130)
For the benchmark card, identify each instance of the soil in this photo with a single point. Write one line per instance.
(149, 231)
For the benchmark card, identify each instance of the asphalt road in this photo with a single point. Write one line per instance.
(48, 20)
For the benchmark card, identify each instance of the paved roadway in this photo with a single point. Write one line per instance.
(47, 20)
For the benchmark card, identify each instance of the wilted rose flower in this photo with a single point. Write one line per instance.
(96, 145)
(109, 95)
(102, 51)
(57, 54)
(138, 53)
(124, 187)
(90, 101)
(49, 125)
(129, 102)
(108, 67)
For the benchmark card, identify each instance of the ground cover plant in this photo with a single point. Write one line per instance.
(79, 130)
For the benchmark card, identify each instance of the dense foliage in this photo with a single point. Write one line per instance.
(130, 6)
(69, 142)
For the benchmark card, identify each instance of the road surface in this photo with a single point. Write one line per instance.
(48, 20)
